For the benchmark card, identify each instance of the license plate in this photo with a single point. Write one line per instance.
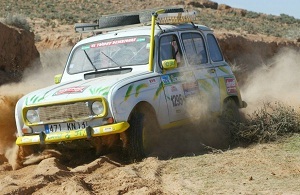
(50, 128)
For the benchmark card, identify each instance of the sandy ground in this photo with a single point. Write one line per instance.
(259, 169)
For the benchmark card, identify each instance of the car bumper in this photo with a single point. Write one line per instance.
(67, 136)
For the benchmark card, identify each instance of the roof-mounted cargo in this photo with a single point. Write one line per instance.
(167, 15)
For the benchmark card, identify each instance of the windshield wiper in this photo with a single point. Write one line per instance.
(88, 57)
(110, 58)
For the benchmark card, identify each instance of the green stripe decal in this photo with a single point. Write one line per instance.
(158, 91)
(128, 92)
(139, 87)
(224, 70)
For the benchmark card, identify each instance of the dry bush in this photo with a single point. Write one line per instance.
(266, 124)
(16, 20)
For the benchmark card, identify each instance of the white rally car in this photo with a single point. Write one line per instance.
(125, 86)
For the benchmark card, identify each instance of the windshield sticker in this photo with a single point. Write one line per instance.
(141, 40)
(85, 47)
(71, 90)
(114, 42)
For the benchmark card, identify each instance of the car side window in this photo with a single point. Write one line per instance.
(194, 47)
(170, 49)
(214, 49)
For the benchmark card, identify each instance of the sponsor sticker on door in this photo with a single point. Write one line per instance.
(230, 85)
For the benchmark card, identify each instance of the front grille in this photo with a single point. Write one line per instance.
(64, 112)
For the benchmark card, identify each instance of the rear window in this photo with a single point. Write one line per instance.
(214, 50)
(194, 47)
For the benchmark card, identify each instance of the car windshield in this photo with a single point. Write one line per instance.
(110, 53)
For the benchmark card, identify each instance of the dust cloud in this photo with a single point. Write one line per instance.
(37, 76)
(276, 81)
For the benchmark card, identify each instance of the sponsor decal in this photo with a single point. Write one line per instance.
(114, 42)
(152, 81)
(174, 89)
(107, 129)
(230, 85)
(177, 100)
(166, 79)
(190, 88)
(99, 90)
(177, 77)
(33, 99)
(71, 90)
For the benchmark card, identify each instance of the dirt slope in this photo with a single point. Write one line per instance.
(260, 169)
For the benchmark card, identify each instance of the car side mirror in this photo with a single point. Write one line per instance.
(169, 64)
(57, 78)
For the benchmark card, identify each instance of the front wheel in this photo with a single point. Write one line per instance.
(143, 134)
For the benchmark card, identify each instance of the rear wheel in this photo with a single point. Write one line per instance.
(231, 111)
(143, 133)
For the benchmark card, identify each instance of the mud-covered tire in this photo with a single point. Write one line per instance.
(145, 16)
(118, 20)
(230, 112)
(143, 134)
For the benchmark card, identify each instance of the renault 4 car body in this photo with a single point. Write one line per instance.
(131, 83)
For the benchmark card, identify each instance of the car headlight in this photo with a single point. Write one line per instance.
(97, 107)
(33, 116)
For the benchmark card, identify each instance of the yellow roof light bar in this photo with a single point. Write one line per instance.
(176, 18)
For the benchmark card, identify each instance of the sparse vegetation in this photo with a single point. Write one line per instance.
(17, 21)
(87, 11)
(266, 124)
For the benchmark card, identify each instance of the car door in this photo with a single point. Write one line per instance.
(203, 71)
(174, 79)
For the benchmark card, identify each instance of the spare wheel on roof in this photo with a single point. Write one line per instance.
(118, 20)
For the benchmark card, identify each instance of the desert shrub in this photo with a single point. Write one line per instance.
(284, 18)
(17, 20)
(266, 124)
(251, 14)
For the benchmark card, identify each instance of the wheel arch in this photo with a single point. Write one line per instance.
(141, 106)
(234, 98)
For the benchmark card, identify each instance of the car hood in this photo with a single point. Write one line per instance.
(75, 89)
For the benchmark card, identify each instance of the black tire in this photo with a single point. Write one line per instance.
(230, 112)
(143, 133)
(118, 20)
(145, 17)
